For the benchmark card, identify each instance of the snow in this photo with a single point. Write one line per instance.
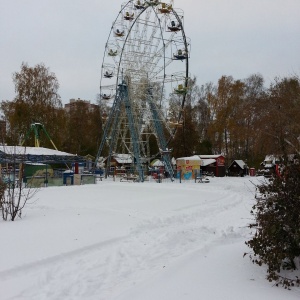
(210, 156)
(191, 158)
(207, 162)
(123, 158)
(135, 241)
(32, 151)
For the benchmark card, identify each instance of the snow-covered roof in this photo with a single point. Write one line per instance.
(193, 158)
(123, 158)
(268, 165)
(157, 163)
(122, 155)
(35, 164)
(239, 162)
(271, 159)
(32, 151)
(210, 156)
(208, 161)
(35, 154)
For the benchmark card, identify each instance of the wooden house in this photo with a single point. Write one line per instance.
(237, 168)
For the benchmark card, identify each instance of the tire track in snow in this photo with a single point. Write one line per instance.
(155, 243)
(55, 259)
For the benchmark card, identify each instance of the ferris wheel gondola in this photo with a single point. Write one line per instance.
(119, 33)
(152, 2)
(108, 70)
(107, 92)
(180, 55)
(106, 96)
(165, 8)
(180, 90)
(174, 27)
(119, 29)
(112, 52)
(108, 74)
(139, 4)
(128, 16)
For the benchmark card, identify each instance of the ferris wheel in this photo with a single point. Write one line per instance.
(145, 63)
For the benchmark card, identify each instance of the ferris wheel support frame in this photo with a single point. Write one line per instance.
(160, 135)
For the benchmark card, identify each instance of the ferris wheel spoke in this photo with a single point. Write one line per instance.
(159, 53)
(143, 32)
(160, 69)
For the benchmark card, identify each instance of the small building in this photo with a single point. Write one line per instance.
(120, 163)
(187, 166)
(238, 168)
(274, 164)
(213, 164)
(270, 161)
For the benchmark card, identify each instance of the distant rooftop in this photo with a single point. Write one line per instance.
(35, 154)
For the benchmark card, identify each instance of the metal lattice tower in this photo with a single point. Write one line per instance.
(157, 120)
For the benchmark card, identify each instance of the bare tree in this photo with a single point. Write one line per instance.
(13, 194)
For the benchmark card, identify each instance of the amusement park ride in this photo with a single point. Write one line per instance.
(37, 128)
(146, 60)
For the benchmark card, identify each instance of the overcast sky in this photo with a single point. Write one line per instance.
(228, 37)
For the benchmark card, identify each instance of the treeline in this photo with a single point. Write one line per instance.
(241, 119)
(37, 101)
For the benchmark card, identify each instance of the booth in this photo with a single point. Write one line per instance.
(68, 177)
(187, 167)
(252, 171)
(238, 168)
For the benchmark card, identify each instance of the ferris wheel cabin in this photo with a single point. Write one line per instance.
(174, 27)
(180, 55)
(119, 33)
(128, 16)
(139, 5)
(165, 8)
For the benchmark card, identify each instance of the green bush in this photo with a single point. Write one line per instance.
(276, 241)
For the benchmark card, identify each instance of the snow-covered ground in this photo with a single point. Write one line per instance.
(135, 241)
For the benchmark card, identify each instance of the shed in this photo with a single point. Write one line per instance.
(237, 168)
(120, 160)
(120, 163)
(217, 167)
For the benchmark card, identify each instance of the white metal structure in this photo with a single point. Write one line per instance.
(146, 51)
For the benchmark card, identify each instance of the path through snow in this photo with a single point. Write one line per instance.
(107, 240)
